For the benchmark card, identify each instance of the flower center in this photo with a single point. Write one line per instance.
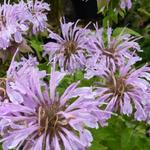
(2, 87)
(118, 86)
(2, 21)
(109, 52)
(70, 48)
(49, 120)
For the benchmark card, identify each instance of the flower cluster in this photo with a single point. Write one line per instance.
(123, 87)
(109, 57)
(34, 114)
(16, 19)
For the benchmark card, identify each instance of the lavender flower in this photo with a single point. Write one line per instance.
(18, 78)
(147, 112)
(11, 27)
(69, 50)
(38, 10)
(16, 19)
(46, 121)
(147, 104)
(126, 89)
(113, 53)
(125, 4)
(23, 13)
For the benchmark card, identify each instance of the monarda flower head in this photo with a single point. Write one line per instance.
(47, 121)
(69, 50)
(126, 90)
(38, 12)
(112, 52)
(11, 27)
(18, 76)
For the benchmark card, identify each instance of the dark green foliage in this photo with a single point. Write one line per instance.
(122, 133)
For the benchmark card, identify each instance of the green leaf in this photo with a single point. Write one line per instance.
(37, 46)
(144, 11)
(45, 66)
(1, 147)
(127, 141)
(122, 133)
(101, 5)
(121, 13)
(78, 75)
(127, 30)
(106, 21)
